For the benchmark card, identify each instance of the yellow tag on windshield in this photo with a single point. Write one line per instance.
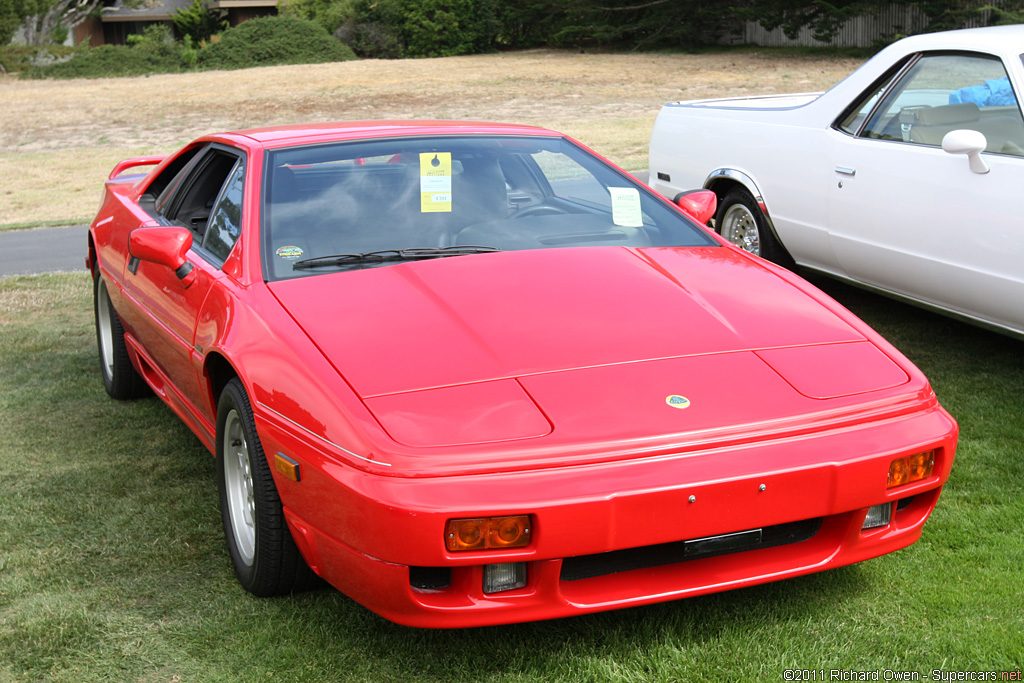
(436, 182)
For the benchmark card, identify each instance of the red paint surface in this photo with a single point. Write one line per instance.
(534, 382)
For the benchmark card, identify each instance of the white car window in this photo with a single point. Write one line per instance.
(946, 92)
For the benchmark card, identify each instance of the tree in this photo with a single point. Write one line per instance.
(198, 21)
(42, 17)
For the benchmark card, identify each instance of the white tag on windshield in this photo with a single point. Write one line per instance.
(626, 207)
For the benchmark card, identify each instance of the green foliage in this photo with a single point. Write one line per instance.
(331, 14)
(11, 15)
(198, 21)
(433, 28)
(373, 28)
(59, 35)
(274, 40)
(153, 51)
(440, 28)
(189, 52)
(418, 28)
(944, 15)
(15, 58)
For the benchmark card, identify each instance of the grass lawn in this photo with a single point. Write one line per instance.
(112, 563)
(59, 139)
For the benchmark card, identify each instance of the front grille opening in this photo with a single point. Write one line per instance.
(601, 564)
(430, 578)
(904, 502)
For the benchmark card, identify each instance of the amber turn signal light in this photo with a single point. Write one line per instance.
(287, 467)
(910, 469)
(487, 533)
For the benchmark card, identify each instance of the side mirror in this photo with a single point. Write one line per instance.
(969, 142)
(166, 246)
(699, 205)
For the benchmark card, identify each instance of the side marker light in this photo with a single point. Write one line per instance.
(287, 467)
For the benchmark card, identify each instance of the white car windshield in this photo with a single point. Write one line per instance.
(369, 204)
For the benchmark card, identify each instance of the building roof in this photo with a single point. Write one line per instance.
(163, 10)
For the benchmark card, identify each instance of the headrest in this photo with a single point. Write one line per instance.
(948, 114)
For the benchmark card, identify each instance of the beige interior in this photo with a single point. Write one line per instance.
(1002, 127)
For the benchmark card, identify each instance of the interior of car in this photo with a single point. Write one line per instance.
(502, 197)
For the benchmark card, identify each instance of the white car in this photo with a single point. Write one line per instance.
(906, 177)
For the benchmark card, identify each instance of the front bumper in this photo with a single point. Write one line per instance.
(362, 532)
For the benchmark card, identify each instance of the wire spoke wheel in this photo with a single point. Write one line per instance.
(740, 227)
(742, 221)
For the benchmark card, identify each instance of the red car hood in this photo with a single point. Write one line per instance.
(467, 319)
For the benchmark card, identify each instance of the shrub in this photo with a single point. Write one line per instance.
(441, 28)
(331, 14)
(153, 51)
(23, 57)
(274, 40)
(417, 28)
(198, 21)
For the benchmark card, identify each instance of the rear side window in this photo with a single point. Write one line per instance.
(174, 174)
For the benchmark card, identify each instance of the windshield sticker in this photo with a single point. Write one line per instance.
(435, 182)
(288, 252)
(626, 207)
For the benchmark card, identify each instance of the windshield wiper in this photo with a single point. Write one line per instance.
(411, 254)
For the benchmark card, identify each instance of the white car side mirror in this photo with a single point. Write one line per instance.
(969, 142)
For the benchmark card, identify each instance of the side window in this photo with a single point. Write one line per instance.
(854, 117)
(163, 186)
(192, 200)
(945, 92)
(226, 220)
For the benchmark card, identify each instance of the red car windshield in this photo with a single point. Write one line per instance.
(368, 204)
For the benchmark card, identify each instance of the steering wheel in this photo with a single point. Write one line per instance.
(538, 210)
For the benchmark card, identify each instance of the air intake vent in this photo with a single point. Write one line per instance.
(589, 566)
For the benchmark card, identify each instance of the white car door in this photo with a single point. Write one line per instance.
(910, 218)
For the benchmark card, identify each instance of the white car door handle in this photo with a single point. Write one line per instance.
(846, 170)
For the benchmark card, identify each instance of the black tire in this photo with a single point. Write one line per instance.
(267, 562)
(740, 220)
(120, 378)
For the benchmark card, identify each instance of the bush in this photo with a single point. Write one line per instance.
(153, 51)
(23, 57)
(198, 21)
(274, 40)
(414, 28)
(331, 14)
(441, 28)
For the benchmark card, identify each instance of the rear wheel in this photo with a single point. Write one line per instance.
(120, 378)
(262, 550)
(740, 220)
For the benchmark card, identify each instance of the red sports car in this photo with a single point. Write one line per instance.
(476, 374)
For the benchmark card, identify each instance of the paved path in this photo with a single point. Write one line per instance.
(42, 250)
(45, 250)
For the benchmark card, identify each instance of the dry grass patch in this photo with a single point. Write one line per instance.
(60, 138)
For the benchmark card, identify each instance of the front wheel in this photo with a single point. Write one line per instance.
(740, 220)
(262, 550)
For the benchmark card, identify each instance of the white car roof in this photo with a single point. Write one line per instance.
(995, 39)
